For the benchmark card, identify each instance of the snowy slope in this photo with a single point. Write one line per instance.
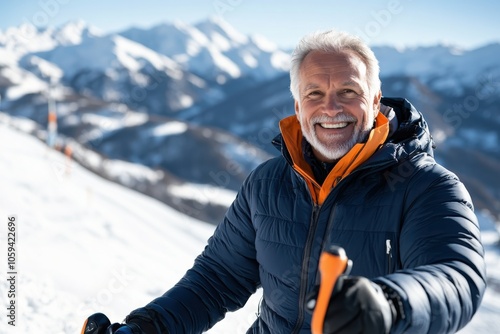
(87, 245)
(486, 319)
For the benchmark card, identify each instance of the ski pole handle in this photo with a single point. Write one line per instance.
(332, 264)
(96, 324)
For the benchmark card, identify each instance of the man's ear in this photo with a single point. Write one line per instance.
(297, 107)
(376, 101)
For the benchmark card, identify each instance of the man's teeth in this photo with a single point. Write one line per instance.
(334, 125)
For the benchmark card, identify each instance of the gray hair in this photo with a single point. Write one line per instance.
(334, 42)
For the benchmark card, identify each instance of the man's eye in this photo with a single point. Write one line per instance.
(348, 93)
(314, 94)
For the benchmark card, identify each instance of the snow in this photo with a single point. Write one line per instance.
(218, 25)
(7, 58)
(249, 60)
(135, 118)
(486, 319)
(27, 38)
(131, 54)
(45, 68)
(186, 101)
(263, 43)
(281, 61)
(203, 193)
(87, 245)
(458, 67)
(212, 48)
(128, 172)
(169, 129)
(212, 55)
(196, 37)
(220, 42)
(24, 83)
(108, 52)
(103, 121)
(74, 32)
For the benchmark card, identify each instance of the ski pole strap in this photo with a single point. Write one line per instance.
(332, 264)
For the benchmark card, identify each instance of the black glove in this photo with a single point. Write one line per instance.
(131, 328)
(98, 323)
(127, 329)
(359, 306)
(117, 328)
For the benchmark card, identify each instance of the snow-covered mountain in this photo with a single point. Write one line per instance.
(214, 50)
(162, 70)
(87, 245)
(444, 68)
(116, 69)
(27, 38)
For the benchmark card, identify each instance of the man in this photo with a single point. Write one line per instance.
(356, 170)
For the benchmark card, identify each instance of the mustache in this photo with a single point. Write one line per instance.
(339, 118)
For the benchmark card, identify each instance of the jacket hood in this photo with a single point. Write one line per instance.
(412, 134)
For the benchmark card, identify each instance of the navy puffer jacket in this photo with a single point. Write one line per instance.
(404, 220)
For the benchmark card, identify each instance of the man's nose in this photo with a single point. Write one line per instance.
(334, 104)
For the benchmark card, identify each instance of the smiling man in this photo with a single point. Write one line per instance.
(357, 171)
(335, 106)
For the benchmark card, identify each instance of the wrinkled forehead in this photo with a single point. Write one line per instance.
(342, 66)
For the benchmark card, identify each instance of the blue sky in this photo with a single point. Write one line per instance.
(396, 22)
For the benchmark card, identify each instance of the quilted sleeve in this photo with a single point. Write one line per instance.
(443, 277)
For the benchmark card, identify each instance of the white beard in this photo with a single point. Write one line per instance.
(338, 150)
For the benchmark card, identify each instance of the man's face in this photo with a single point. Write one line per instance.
(335, 108)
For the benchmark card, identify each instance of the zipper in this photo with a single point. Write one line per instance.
(312, 231)
(305, 265)
(388, 252)
(328, 230)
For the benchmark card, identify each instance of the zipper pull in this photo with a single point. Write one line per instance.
(388, 252)
(388, 247)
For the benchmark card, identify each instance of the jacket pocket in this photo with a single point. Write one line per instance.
(373, 253)
(390, 252)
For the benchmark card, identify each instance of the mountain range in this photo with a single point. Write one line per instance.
(201, 103)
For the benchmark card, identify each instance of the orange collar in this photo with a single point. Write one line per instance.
(292, 136)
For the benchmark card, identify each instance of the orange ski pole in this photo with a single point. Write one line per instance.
(332, 264)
